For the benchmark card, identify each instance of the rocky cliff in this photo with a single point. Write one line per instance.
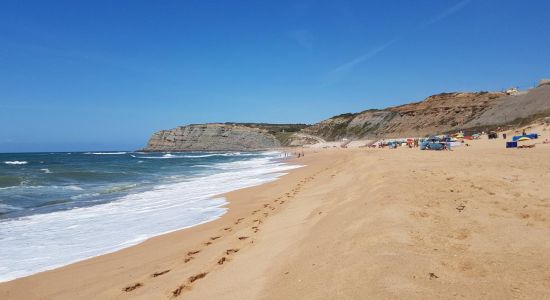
(212, 137)
(437, 114)
(441, 113)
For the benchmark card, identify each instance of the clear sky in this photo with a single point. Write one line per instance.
(104, 75)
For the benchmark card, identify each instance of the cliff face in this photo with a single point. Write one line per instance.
(441, 113)
(436, 114)
(212, 137)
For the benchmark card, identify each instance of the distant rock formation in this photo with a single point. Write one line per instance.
(212, 137)
(441, 113)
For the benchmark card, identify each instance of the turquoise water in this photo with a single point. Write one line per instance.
(58, 208)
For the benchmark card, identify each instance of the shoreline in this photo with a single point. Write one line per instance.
(352, 223)
(214, 205)
(103, 260)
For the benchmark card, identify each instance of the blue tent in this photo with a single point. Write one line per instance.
(530, 136)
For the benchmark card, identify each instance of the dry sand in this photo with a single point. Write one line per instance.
(353, 224)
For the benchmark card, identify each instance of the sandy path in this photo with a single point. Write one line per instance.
(354, 224)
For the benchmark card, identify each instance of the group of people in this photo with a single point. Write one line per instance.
(293, 154)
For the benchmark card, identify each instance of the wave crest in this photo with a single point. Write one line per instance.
(16, 162)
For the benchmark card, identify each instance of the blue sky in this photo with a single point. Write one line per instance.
(104, 75)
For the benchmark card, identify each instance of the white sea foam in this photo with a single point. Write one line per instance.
(220, 154)
(84, 196)
(46, 171)
(169, 155)
(165, 156)
(16, 162)
(41, 242)
(69, 187)
(106, 153)
(6, 208)
(63, 187)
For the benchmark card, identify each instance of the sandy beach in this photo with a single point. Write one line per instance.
(352, 224)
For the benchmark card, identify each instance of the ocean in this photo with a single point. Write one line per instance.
(59, 208)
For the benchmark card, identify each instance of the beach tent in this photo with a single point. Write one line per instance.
(428, 145)
(529, 136)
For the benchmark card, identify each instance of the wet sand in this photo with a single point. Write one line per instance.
(352, 224)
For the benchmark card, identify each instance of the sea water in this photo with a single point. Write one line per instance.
(59, 208)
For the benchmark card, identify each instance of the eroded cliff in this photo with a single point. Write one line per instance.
(437, 114)
(441, 113)
(212, 137)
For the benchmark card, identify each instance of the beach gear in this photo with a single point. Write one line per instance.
(428, 145)
(523, 138)
(511, 144)
(530, 136)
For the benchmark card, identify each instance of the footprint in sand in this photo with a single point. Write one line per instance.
(227, 229)
(222, 260)
(191, 279)
(238, 221)
(256, 229)
(132, 287)
(156, 274)
(178, 291)
(197, 277)
(215, 238)
(208, 243)
(231, 251)
(190, 256)
(243, 238)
